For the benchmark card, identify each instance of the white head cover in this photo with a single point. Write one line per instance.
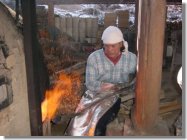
(113, 35)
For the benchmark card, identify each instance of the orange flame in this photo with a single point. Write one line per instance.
(63, 93)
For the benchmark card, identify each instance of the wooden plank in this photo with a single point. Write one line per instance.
(165, 114)
(127, 97)
(58, 2)
(33, 65)
(165, 104)
(166, 109)
(51, 20)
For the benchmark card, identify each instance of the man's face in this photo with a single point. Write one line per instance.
(113, 50)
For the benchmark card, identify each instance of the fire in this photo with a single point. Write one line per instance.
(91, 131)
(62, 97)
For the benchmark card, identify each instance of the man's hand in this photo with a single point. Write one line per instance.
(106, 87)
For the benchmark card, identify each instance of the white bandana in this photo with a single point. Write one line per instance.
(112, 35)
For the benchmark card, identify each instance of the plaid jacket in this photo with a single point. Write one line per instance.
(100, 69)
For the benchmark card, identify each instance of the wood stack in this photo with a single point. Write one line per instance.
(166, 107)
(168, 104)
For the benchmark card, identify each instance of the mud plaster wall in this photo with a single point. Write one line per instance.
(14, 119)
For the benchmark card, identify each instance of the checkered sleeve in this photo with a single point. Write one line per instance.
(92, 83)
(133, 63)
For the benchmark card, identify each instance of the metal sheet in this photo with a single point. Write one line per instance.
(85, 123)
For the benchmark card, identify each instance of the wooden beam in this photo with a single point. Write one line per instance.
(168, 109)
(150, 42)
(51, 20)
(32, 58)
(59, 2)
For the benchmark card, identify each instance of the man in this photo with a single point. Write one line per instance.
(105, 68)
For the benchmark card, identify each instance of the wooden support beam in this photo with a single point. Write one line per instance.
(51, 15)
(33, 66)
(150, 42)
(59, 2)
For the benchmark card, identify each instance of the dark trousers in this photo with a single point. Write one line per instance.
(109, 116)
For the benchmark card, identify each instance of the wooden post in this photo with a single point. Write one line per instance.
(33, 65)
(51, 14)
(150, 42)
(51, 22)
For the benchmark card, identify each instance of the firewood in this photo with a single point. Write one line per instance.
(172, 106)
(127, 97)
(125, 106)
(168, 103)
(163, 115)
